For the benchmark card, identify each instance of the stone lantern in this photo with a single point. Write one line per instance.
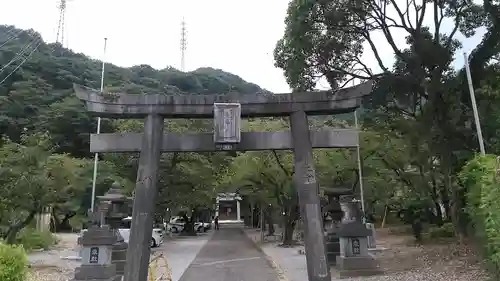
(119, 206)
(334, 211)
(114, 207)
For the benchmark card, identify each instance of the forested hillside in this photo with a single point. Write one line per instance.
(41, 90)
(40, 115)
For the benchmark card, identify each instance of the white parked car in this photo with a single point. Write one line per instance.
(176, 225)
(156, 239)
(157, 235)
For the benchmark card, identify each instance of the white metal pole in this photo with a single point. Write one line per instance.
(360, 169)
(474, 105)
(96, 156)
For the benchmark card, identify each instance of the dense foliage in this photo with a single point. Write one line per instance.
(13, 263)
(420, 108)
(480, 177)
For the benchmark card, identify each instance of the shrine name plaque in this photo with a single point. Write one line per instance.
(94, 255)
(356, 247)
(227, 123)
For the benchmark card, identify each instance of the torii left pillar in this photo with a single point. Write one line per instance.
(145, 196)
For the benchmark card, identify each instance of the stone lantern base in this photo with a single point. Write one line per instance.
(357, 266)
(354, 258)
(119, 254)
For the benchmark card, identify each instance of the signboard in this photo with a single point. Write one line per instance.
(94, 255)
(227, 119)
(356, 248)
(224, 147)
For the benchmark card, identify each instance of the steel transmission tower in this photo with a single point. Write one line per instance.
(62, 23)
(183, 44)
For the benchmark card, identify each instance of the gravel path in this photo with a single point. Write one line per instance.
(57, 264)
(445, 260)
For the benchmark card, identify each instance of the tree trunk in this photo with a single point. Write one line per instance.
(270, 221)
(288, 235)
(252, 213)
(54, 221)
(189, 225)
(255, 220)
(270, 225)
(445, 199)
(439, 214)
(385, 216)
(65, 225)
(61, 225)
(11, 234)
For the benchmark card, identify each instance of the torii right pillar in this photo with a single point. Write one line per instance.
(308, 192)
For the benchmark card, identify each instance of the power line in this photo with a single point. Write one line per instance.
(38, 41)
(20, 53)
(11, 28)
(12, 36)
(27, 57)
(183, 44)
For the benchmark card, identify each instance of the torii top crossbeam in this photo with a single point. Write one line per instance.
(119, 105)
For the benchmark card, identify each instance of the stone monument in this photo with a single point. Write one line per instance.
(354, 258)
(227, 109)
(118, 208)
(97, 243)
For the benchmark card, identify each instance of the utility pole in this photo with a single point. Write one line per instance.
(360, 169)
(62, 23)
(474, 105)
(183, 44)
(360, 165)
(96, 155)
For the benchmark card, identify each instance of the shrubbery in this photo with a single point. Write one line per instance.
(483, 197)
(32, 239)
(400, 230)
(13, 263)
(444, 231)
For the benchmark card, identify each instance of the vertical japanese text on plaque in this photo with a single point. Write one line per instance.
(94, 255)
(356, 247)
(227, 118)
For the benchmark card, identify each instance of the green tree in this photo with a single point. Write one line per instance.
(420, 98)
(32, 178)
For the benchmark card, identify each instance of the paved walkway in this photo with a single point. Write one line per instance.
(230, 256)
(180, 251)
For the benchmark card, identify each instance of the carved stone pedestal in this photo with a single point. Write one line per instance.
(97, 243)
(372, 239)
(119, 256)
(354, 259)
(332, 246)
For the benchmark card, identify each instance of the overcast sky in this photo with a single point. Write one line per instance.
(237, 36)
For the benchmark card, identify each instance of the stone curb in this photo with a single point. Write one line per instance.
(269, 259)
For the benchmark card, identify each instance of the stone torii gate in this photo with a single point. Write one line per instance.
(227, 110)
